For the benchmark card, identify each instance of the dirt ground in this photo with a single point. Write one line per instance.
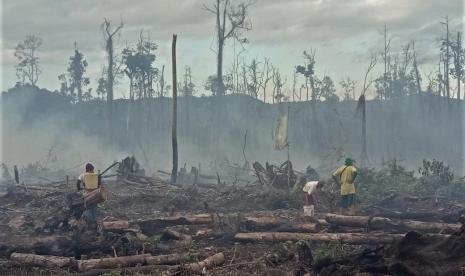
(25, 212)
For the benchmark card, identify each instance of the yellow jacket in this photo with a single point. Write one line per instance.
(346, 176)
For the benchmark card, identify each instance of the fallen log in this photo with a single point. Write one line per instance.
(154, 226)
(352, 238)
(42, 245)
(46, 261)
(170, 259)
(263, 221)
(386, 223)
(215, 260)
(298, 227)
(115, 225)
(212, 261)
(125, 261)
(278, 225)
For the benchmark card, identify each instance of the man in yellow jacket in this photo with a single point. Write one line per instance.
(90, 179)
(345, 176)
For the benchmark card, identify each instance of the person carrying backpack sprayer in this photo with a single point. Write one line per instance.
(345, 176)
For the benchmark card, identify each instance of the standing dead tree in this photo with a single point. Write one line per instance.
(386, 59)
(361, 109)
(458, 55)
(108, 35)
(415, 68)
(174, 138)
(236, 18)
(266, 76)
(445, 48)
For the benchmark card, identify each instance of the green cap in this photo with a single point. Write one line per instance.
(349, 162)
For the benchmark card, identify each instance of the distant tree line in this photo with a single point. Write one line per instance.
(259, 78)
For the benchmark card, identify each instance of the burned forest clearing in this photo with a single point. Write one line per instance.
(221, 137)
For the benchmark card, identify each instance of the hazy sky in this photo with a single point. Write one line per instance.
(343, 32)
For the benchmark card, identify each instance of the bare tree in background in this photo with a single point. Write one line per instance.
(28, 61)
(76, 69)
(278, 84)
(386, 59)
(415, 68)
(267, 75)
(308, 71)
(253, 86)
(237, 19)
(458, 54)
(445, 48)
(349, 88)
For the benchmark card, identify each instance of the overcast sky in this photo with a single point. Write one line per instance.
(343, 33)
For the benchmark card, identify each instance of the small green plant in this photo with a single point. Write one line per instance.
(332, 250)
(153, 239)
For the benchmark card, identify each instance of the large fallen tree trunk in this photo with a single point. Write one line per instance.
(125, 261)
(154, 226)
(352, 238)
(192, 268)
(386, 223)
(46, 261)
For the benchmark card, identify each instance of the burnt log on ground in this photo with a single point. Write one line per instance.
(169, 259)
(42, 245)
(46, 261)
(420, 215)
(351, 238)
(190, 268)
(115, 225)
(380, 223)
(278, 224)
(414, 254)
(251, 223)
(156, 225)
(125, 261)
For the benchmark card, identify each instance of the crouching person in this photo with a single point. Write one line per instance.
(309, 200)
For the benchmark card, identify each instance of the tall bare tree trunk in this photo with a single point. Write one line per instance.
(110, 73)
(447, 59)
(174, 138)
(364, 158)
(220, 31)
(417, 72)
(459, 63)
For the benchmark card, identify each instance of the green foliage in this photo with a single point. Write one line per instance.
(76, 70)
(436, 178)
(391, 178)
(153, 239)
(332, 250)
(27, 68)
(139, 67)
